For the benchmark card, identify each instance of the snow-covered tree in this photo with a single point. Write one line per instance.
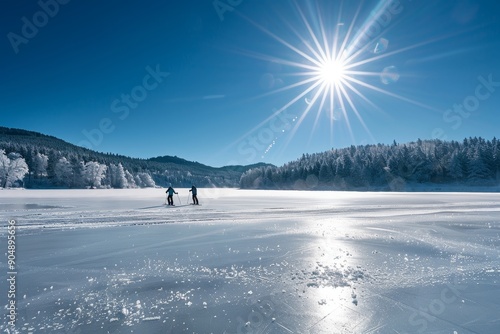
(18, 169)
(130, 179)
(456, 166)
(117, 177)
(478, 168)
(40, 163)
(325, 174)
(78, 166)
(421, 165)
(12, 168)
(63, 172)
(343, 165)
(144, 180)
(93, 173)
(4, 167)
(252, 178)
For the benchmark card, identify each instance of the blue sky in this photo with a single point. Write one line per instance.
(240, 81)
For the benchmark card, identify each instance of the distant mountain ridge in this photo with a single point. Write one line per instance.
(33, 146)
(180, 161)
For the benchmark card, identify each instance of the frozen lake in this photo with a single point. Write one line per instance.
(119, 261)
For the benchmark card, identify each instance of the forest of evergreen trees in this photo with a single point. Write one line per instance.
(33, 160)
(473, 162)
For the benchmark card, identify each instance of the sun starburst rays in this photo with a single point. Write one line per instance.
(338, 72)
(330, 73)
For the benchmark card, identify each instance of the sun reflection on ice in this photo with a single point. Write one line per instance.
(329, 287)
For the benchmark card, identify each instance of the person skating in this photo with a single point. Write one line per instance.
(170, 198)
(195, 192)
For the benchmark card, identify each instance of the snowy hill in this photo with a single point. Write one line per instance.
(52, 162)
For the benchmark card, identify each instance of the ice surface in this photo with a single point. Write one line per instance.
(119, 261)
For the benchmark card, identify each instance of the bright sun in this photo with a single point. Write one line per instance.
(331, 72)
(330, 67)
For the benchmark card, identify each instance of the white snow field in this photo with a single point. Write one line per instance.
(119, 261)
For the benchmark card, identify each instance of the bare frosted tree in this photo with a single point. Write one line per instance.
(117, 176)
(4, 167)
(144, 180)
(12, 168)
(94, 173)
(130, 179)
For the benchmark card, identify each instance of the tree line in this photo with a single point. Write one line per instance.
(33, 160)
(16, 172)
(474, 161)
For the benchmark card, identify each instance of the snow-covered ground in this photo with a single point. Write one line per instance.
(119, 261)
